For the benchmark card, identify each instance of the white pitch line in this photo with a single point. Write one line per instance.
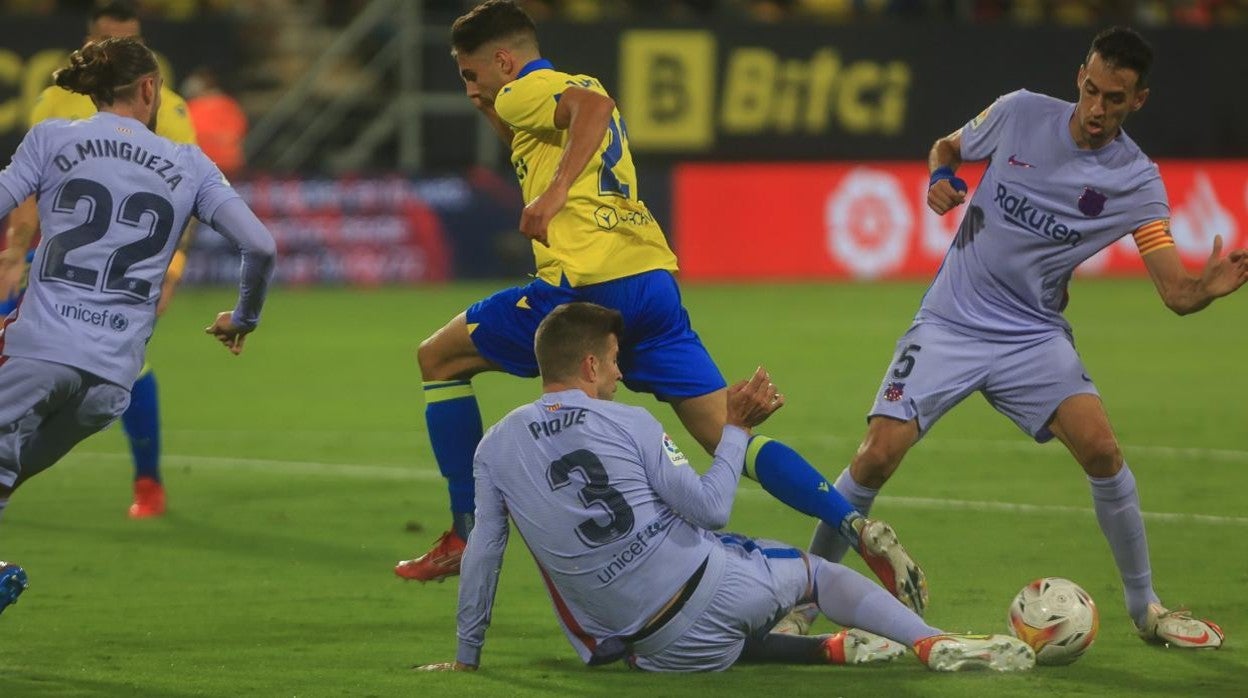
(415, 474)
(937, 443)
(987, 446)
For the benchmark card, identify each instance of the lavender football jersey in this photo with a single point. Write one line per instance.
(608, 505)
(1043, 206)
(113, 201)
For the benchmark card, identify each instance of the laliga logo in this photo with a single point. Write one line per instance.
(1200, 218)
(868, 221)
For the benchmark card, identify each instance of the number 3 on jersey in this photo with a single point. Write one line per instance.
(595, 495)
(608, 180)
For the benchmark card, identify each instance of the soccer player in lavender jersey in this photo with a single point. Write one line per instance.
(621, 528)
(1064, 182)
(593, 240)
(113, 198)
(141, 421)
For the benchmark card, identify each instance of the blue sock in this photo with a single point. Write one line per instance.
(454, 423)
(788, 477)
(141, 422)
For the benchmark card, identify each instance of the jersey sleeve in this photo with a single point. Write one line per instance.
(214, 189)
(174, 119)
(704, 500)
(528, 104)
(21, 178)
(482, 563)
(981, 134)
(1150, 210)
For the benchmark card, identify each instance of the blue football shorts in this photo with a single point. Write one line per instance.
(659, 352)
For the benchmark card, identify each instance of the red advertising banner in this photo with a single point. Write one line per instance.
(871, 221)
(357, 232)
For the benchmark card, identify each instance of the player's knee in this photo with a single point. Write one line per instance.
(1101, 457)
(102, 405)
(432, 363)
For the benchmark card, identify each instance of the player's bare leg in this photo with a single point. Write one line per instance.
(791, 479)
(1081, 424)
(887, 441)
(448, 360)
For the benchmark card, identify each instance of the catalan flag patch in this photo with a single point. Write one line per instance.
(1153, 236)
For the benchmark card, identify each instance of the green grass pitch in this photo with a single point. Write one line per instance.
(300, 472)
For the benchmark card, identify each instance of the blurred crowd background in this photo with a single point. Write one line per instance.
(345, 124)
(1066, 12)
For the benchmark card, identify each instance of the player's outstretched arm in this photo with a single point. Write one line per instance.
(1184, 293)
(707, 500)
(237, 223)
(586, 115)
(23, 225)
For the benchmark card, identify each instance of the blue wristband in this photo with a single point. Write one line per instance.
(946, 172)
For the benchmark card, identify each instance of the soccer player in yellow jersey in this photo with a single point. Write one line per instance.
(594, 240)
(141, 420)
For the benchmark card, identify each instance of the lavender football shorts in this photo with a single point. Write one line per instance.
(935, 367)
(750, 584)
(46, 409)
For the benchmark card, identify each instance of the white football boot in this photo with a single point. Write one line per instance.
(1179, 629)
(962, 652)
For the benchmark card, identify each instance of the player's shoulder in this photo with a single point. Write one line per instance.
(1139, 168)
(632, 419)
(1033, 102)
(59, 103)
(174, 119)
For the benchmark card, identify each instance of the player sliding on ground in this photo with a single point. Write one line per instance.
(594, 240)
(622, 527)
(113, 199)
(1065, 182)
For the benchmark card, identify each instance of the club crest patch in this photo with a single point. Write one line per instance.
(894, 391)
(673, 451)
(1092, 202)
(980, 118)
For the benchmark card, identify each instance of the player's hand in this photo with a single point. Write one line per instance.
(943, 198)
(227, 333)
(1223, 275)
(751, 402)
(167, 288)
(445, 666)
(536, 217)
(12, 266)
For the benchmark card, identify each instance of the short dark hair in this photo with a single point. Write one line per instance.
(1123, 47)
(569, 333)
(117, 11)
(106, 69)
(490, 21)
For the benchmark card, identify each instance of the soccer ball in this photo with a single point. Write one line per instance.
(1056, 617)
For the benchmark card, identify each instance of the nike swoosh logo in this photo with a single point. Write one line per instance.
(1019, 163)
(1198, 640)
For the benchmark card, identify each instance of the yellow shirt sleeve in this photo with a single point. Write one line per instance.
(528, 104)
(173, 121)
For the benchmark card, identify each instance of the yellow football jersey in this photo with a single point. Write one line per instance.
(604, 232)
(172, 121)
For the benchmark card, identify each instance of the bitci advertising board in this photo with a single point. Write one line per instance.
(871, 220)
